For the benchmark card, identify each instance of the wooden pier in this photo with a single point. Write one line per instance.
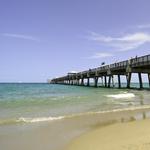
(106, 73)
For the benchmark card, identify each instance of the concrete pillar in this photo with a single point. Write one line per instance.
(74, 82)
(102, 80)
(95, 81)
(82, 81)
(113, 83)
(88, 81)
(77, 81)
(105, 81)
(149, 79)
(140, 80)
(128, 79)
(119, 81)
(109, 81)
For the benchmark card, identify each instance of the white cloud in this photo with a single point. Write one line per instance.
(100, 55)
(20, 36)
(122, 43)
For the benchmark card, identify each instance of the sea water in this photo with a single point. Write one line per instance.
(46, 116)
(30, 102)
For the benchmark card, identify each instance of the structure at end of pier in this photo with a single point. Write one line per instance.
(106, 73)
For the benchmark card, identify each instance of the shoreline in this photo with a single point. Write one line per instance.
(61, 133)
(131, 135)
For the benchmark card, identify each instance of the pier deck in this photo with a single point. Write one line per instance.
(137, 65)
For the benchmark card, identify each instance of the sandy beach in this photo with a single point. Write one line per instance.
(134, 135)
(112, 130)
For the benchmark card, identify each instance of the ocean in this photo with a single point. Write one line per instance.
(26, 107)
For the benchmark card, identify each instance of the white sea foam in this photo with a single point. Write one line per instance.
(126, 109)
(40, 119)
(123, 95)
(45, 119)
(133, 108)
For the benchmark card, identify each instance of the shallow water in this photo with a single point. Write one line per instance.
(20, 101)
(59, 112)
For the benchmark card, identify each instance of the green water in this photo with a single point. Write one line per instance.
(47, 100)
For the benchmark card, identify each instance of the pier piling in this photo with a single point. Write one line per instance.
(119, 81)
(140, 80)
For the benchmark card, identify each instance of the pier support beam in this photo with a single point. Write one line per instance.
(77, 81)
(109, 81)
(149, 79)
(105, 81)
(119, 81)
(88, 81)
(102, 81)
(82, 82)
(74, 82)
(95, 81)
(128, 79)
(113, 83)
(140, 80)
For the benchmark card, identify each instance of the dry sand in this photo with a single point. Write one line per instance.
(133, 135)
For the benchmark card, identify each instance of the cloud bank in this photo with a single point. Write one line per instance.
(143, 26)
(121, 43)
(20, 36)
(100, 55)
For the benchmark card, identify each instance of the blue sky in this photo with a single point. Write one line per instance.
(42, 39)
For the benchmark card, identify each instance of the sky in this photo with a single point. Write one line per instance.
(41, 39)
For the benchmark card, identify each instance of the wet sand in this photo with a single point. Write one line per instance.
(133, 135)
(79, 130)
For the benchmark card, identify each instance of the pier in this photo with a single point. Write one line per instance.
(106, 73)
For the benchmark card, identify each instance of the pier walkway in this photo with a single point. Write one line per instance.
(106, 73)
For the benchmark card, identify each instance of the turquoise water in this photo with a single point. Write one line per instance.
(40, 101)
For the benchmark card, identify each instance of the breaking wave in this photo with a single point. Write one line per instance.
(40, 119)
(120, 96)
(48, 119)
